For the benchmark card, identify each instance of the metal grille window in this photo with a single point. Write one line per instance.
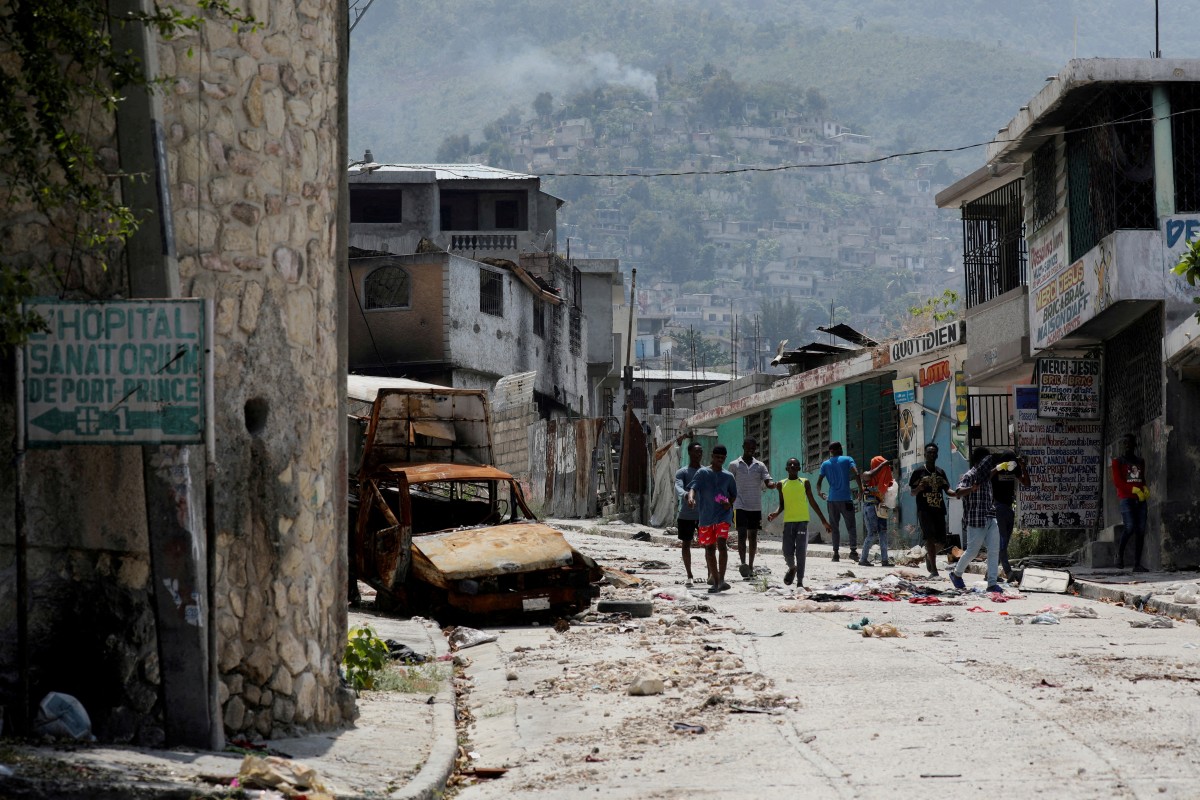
(1110, 167)
(994, 244)
(577, 287)
(491, 292)
(988, 418)
(1133, 396)
(576, 332)
(1044, 178)
(1185, 142)
(758, 425)
(817, 429)
(539, 318)
(386, 287)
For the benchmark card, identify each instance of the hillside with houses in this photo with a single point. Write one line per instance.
(747, 206)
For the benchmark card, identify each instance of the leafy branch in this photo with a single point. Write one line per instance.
(60, 76)
(1189, 269)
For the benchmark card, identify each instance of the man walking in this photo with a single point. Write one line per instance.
(1129, 479)
(839, 469)
(687, 522)
(929, 486)
(979, 512)
(712, 493)
(795, 500)
(1011, 471)
(875, 482)
(752, 477)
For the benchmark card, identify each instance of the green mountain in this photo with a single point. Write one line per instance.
(925, 72)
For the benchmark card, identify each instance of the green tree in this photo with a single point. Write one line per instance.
(693, 350)
(778, 319)
(61, 72)
(1188, 268)
(454, 148)
(543, 104)
(941, 308)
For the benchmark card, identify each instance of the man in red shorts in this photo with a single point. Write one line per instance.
(712, 492)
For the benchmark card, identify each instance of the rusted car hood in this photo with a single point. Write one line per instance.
(442, 558)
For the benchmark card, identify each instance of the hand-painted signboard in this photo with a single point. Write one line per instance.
(939, 337)
(1065, 461)
(1068, 388)
(117, 372)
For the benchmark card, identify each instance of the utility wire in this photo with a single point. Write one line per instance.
(1133, 117)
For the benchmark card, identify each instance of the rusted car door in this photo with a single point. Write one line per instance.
(383, 532)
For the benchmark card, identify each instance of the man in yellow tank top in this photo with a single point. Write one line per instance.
(795, 500)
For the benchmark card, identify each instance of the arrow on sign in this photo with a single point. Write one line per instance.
(92, 421)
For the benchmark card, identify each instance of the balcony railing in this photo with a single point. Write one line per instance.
(994, 244)
(483, 241)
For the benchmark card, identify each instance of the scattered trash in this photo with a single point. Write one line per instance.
(641, 536)
(462, 638)
(1044, 619)
(979, 610)
(634, 608)
(1059, 610)
(1188, 595)
(1155, 622)
(924, 600)
(592, 758)
(761, 570)
(290, 778)
(664, 596)
(741, 709)
(808, 606)
(61, 716)
(760, 635)
(619, 579)
(688, 727)
(655, 565)
(398, 651)
(858, 626)
(510, 675)
(701, 620)
(885, 631)
(562, 625)
(1034, 579)
(941, 618)
(935, 633)
(846, 574)
(714, 648)
(946, 775)
(1048, 684)
(1083, 612)
(1139, 603)
(646, 684)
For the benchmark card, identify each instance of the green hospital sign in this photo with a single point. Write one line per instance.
(116, 372)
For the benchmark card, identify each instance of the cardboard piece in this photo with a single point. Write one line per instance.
(1034, 579)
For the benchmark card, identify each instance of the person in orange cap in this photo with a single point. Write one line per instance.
(875, 483)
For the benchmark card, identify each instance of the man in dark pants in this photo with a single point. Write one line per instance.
(929, 485)
(1004, 493)
(839, 469)
(1129, 479)
(752, 477)
(688, 519)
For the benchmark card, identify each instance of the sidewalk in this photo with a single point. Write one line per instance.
(402, 746)
(1152, 591)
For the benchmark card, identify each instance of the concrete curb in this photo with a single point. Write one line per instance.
(430, 780)
(1099, 591)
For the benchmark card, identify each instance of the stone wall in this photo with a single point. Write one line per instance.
(254, 160)
(252, 126)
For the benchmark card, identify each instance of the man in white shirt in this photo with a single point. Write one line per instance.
(752, 476)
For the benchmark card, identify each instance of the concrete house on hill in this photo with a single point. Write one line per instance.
(455, 280)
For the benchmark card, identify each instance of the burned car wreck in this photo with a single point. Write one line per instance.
(444, 537)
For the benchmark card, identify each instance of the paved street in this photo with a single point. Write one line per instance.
(981, 704)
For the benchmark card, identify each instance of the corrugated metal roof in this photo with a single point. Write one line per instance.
(448, 172)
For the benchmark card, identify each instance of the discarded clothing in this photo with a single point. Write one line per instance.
(924, 600)
(979, 610)
(1156, 622)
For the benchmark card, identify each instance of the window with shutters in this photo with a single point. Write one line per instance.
(818, 429)
(758, 425)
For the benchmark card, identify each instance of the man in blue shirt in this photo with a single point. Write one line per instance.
(839, 469)
(689, 517)
(712, 493)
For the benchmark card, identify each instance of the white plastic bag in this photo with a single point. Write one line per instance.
(63, 717)
(1188, 595)
(891, 495)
